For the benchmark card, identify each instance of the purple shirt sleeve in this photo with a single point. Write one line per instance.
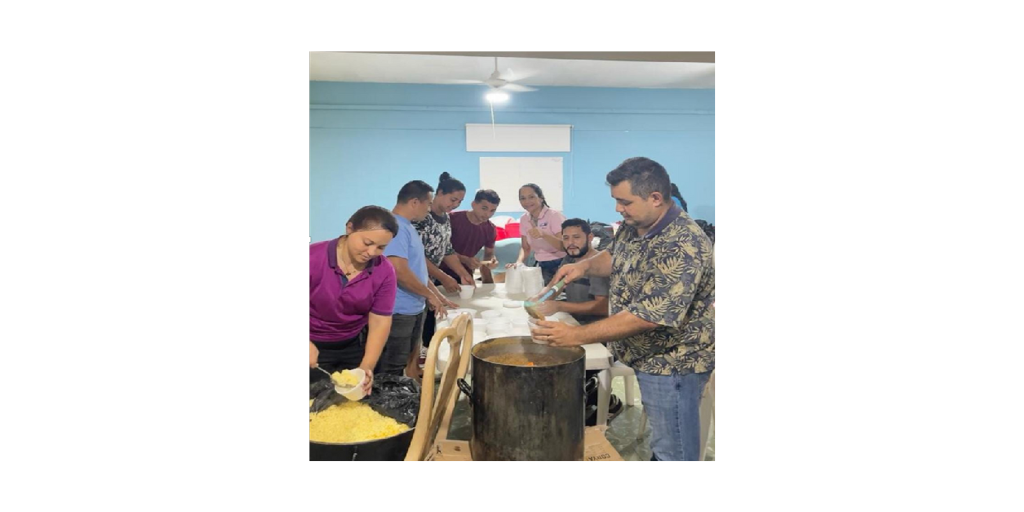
(384, 296)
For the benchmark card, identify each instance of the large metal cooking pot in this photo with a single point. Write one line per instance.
(523, 411)
(389, 448)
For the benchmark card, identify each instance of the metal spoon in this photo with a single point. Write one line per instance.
(337, 389)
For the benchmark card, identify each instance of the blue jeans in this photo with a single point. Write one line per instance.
(672, 403)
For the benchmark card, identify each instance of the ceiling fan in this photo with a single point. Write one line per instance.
(497, 83)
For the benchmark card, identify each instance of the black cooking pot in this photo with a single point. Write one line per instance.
(386, 390)
(389, 448)
(523, 411)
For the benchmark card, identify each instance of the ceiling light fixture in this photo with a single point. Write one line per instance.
(496, 97)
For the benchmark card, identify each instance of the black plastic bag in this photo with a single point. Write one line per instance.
(392, 396)
(323, 395)
(604, 232)
(709, 229)
(395, 397)
(318, 387)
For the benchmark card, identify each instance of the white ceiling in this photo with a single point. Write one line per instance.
(448, 69)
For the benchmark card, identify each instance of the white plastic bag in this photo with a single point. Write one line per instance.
(533, 281)
(514, 280)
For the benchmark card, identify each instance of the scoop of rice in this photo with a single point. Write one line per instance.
(345, 379)
(351, 422)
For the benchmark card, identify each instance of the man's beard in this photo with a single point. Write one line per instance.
(583, 252)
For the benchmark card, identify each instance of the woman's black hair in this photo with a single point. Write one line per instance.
(373, 217)
(677, 195)
(537, 190)
(446, 184)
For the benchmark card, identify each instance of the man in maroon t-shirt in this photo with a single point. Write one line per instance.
(472, 230)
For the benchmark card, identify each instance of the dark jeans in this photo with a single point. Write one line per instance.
(548, 269)
(429, 328)
(591, 398)
(406, 332)
(430, 323)
(338, 355)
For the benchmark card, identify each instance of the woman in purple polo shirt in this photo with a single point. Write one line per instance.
(541, 229)
(351, 286)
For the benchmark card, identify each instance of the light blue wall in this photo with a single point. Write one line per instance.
(367, 140)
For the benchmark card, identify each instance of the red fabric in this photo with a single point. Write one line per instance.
(512, 230)
(501, 234)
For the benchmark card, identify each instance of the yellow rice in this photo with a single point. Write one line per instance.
(345, 379)
(351, 422)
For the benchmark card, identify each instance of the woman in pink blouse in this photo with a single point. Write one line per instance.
(541, 229)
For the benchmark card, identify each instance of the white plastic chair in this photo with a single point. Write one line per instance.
(604, 389)
(501, 220)
(707, 414)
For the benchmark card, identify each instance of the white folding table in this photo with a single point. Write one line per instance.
(493, 297)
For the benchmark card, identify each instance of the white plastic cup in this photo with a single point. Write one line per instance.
(497, 327)
(533, 281)
(514, 280)
(532, 322)
(520, 327)
(466, 291)
(354, 393)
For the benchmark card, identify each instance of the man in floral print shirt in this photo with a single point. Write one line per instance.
(661, 323)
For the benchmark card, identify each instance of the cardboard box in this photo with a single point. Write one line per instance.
(595, 448)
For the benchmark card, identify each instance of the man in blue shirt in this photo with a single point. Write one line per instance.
(415, 290)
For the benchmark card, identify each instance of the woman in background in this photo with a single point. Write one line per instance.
(541, 229)
(678, 198)
(435, 231)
